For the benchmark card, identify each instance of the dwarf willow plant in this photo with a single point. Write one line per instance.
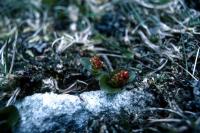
(110, 82)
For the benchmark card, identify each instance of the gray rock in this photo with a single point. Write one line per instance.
(51, 112)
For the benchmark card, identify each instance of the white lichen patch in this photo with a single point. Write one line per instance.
(51, 112)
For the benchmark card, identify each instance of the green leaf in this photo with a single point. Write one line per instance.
(9, 116)
(154, 39)
(96, 73)
(132, 76)
(105, 86)
(86, 63)
(128, 54)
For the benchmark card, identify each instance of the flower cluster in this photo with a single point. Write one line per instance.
(96, 62)
(120, 78)
(110, 82)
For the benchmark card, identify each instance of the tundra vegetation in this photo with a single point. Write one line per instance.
(73, 46)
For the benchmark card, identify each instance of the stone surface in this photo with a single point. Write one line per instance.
(51, 112)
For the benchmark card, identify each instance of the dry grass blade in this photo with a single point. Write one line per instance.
(165, 120)
(13, 97)
(195, 63)
(14, 53)
(168, 110)
(187, 72)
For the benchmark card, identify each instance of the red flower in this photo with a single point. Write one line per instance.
(96, 62)
(120, 78)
